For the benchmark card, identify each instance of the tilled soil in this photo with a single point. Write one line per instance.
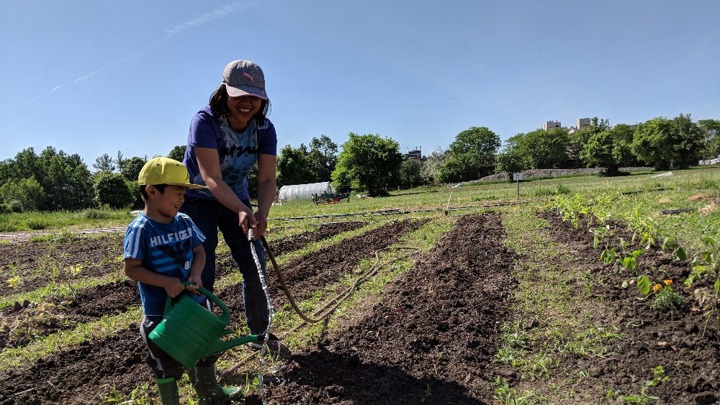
(45, 262)
(305, 275)
(81, 374)
(26, 321)
(680, 340)
(431, 340)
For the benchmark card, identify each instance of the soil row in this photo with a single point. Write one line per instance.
(431, 339)
(682, 341)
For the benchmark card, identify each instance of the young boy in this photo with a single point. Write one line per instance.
(162, 249)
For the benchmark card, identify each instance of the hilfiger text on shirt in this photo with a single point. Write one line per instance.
(170, 238)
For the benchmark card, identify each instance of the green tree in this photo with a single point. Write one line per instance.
(471, 155)
(690, 141)
(511, 159)
(322, 158)
(130, 168)
(177, 153)
(368, 163)
(104, 163)
(543, 149)
(411, 173)
(624, 134)
(609, 148)
(431, 166)
(293, 166)
(112, 190)
(711, 132)
(668, 144)
(651, 143)
(67, 182)
(28, 192)
(24, 165)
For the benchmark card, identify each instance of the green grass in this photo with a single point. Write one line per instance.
(677, 188)
(58, 290)
(46, 345)
(552, 297)
(90, 218)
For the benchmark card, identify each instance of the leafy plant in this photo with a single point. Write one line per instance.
(706, 266)
(677, 251)
(14, 282)
(508, 395)
(599, 234)
(627, 260)
(666, 299)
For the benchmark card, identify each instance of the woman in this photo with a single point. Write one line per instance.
(226, 139)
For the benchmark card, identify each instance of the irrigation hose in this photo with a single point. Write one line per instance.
(335, 301)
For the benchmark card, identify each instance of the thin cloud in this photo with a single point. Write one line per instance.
(62, 86)
(195, 22)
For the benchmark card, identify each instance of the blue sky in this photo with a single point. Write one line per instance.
(95, 76)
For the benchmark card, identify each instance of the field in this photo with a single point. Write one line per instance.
(562, 291)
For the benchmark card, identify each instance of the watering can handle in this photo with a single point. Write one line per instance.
(225, 311)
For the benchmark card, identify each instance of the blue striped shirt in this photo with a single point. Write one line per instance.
(162, 248)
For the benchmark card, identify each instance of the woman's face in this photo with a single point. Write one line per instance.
(242, 109)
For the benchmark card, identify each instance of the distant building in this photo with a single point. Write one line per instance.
(415, 154)
(709, 161)
(551, 125)
(583, 123)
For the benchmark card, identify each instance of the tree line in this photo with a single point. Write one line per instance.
(54, 180)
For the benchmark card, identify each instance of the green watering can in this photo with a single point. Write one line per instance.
(189, 332)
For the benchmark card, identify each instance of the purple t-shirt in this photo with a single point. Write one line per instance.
(237, 150)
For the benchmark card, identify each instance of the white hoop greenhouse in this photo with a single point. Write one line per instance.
(303, 191)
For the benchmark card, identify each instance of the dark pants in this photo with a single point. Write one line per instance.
(209, 216)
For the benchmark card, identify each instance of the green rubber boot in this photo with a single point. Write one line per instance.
(204, 381)
(168, 390)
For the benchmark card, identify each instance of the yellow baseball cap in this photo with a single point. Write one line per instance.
(162, 170)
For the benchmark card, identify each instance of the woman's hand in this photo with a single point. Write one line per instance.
(247, 221)
(261, 225)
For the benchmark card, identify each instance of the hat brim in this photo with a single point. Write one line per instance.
(245, 91)
(190, 186)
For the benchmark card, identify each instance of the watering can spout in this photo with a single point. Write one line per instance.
(222, 345)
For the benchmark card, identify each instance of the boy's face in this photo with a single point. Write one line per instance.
(164, 206)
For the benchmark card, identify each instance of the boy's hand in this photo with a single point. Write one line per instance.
(174, 287)
(197, 283)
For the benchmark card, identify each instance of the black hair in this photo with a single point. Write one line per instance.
(218, 106)
(158, 187)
